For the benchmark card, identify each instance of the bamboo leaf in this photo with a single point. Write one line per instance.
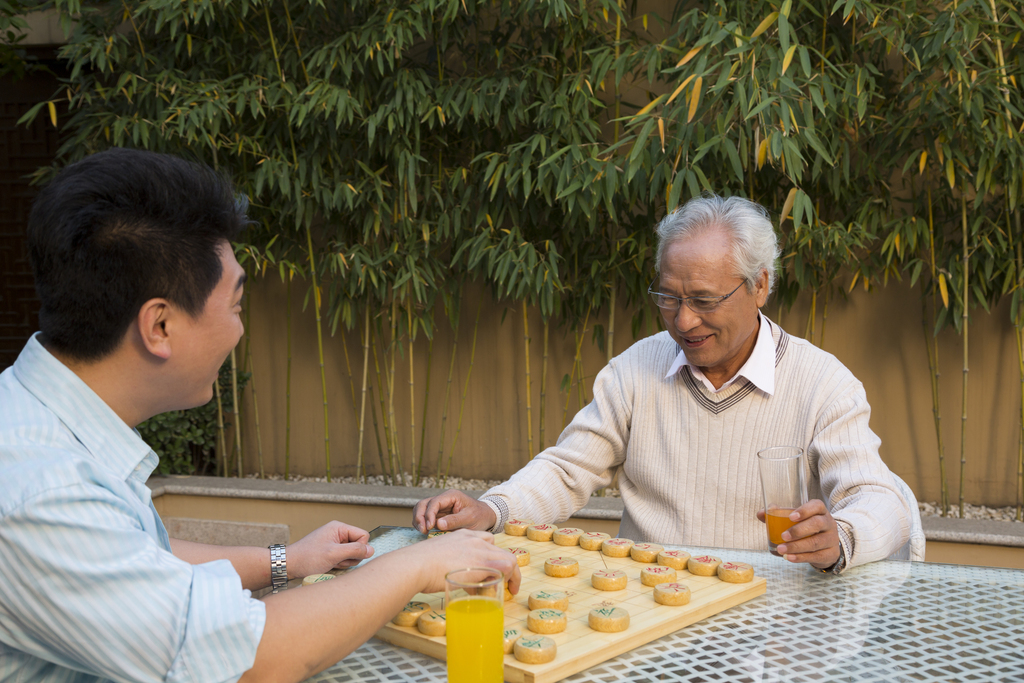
(53, 112)
(762, 153)
(943, 292)
(694, 99)
(764, 25)
(924, 161)
(651, 105)
(788, 59)
(688, 56)
(950, 173)
(680, 87)
(788, 205)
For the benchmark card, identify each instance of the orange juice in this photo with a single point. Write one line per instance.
(778, 521)
(475, 627)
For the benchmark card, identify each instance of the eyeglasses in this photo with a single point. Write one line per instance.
(697, 304)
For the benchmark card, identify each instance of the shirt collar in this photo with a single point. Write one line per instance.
(759, 369)
(97, 427)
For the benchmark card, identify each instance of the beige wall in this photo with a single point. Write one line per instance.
(878, 335)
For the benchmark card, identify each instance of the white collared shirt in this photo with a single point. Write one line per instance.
(759, 369)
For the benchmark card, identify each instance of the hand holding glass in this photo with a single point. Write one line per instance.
(475, 621)
(784, 488)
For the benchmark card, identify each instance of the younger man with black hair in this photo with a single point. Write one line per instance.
(141, 296)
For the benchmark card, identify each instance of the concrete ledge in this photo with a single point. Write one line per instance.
(218, 532)
(977, 531)
(322, 492)
(937, 529)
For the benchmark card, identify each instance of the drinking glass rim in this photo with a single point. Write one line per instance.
(767, 453)
(474, 584)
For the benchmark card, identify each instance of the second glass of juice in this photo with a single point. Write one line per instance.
(784, 488)
(474, 620)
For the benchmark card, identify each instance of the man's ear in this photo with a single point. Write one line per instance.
(761, 289)
(152, 321)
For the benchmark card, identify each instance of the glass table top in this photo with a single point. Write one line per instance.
(886, 621)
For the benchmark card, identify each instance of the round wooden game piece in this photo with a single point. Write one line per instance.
(609, 579)
(510, 636)
(522, 556)
(652, 576)
(431, 623)
(316, 578)
(508, 593)
(616, 547)
(592, 540)
(676, 559)
(546, 621)
(548, 600)
(410, 613)
(540, 532)
(645, 552)
(735, 572)
(561, 567)
(608, 619)
(705, 565)
(567, 536)
(434, 533)
(671, 594)
(517, 527)
(535, 649)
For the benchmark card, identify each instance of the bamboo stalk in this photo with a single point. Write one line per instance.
(412, 393)
(360, 472)
(465, 391)
(943, 481)
(348, 368)
(320, 350)
(222, 466)
(398, 471)
(423, 428)
(376, 434)
(389, 470)
(824, 318)
(256, 414)
(963, 416)
(581, 387)
(288, 379)
(234, 411)
(610, 337)
(544, 385)
(447, 393)
(809, 331)
(529, 389)
(1020, 364)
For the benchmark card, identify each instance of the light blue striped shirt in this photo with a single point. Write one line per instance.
(89, 589)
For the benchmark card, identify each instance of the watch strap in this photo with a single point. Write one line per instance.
(278, 567)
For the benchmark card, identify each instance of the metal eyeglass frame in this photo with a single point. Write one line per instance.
(706, 304)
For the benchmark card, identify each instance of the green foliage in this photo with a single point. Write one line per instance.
(436, 141)
(186, 440)
(14, 62)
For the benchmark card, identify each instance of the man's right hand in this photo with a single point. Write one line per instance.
(452, 510)
(440, 555)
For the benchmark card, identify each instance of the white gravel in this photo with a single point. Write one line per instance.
(1004, 514)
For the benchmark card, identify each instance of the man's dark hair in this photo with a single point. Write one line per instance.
(119, 228)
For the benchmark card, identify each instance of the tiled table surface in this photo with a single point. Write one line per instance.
(887, 621)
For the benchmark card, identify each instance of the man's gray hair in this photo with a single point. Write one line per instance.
(748, 225)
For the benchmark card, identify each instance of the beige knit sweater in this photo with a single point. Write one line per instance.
(688, 457)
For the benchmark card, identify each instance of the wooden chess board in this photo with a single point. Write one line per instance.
(579, 647)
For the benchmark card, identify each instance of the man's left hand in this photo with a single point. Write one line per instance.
(814, 538)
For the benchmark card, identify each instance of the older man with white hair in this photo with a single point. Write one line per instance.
(684, 413)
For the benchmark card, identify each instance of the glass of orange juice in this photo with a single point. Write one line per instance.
(474, 620)
(784, 487)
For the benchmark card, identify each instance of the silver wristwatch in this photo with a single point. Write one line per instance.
(278, 567)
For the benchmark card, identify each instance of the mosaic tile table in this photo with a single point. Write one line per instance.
(887, 621)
